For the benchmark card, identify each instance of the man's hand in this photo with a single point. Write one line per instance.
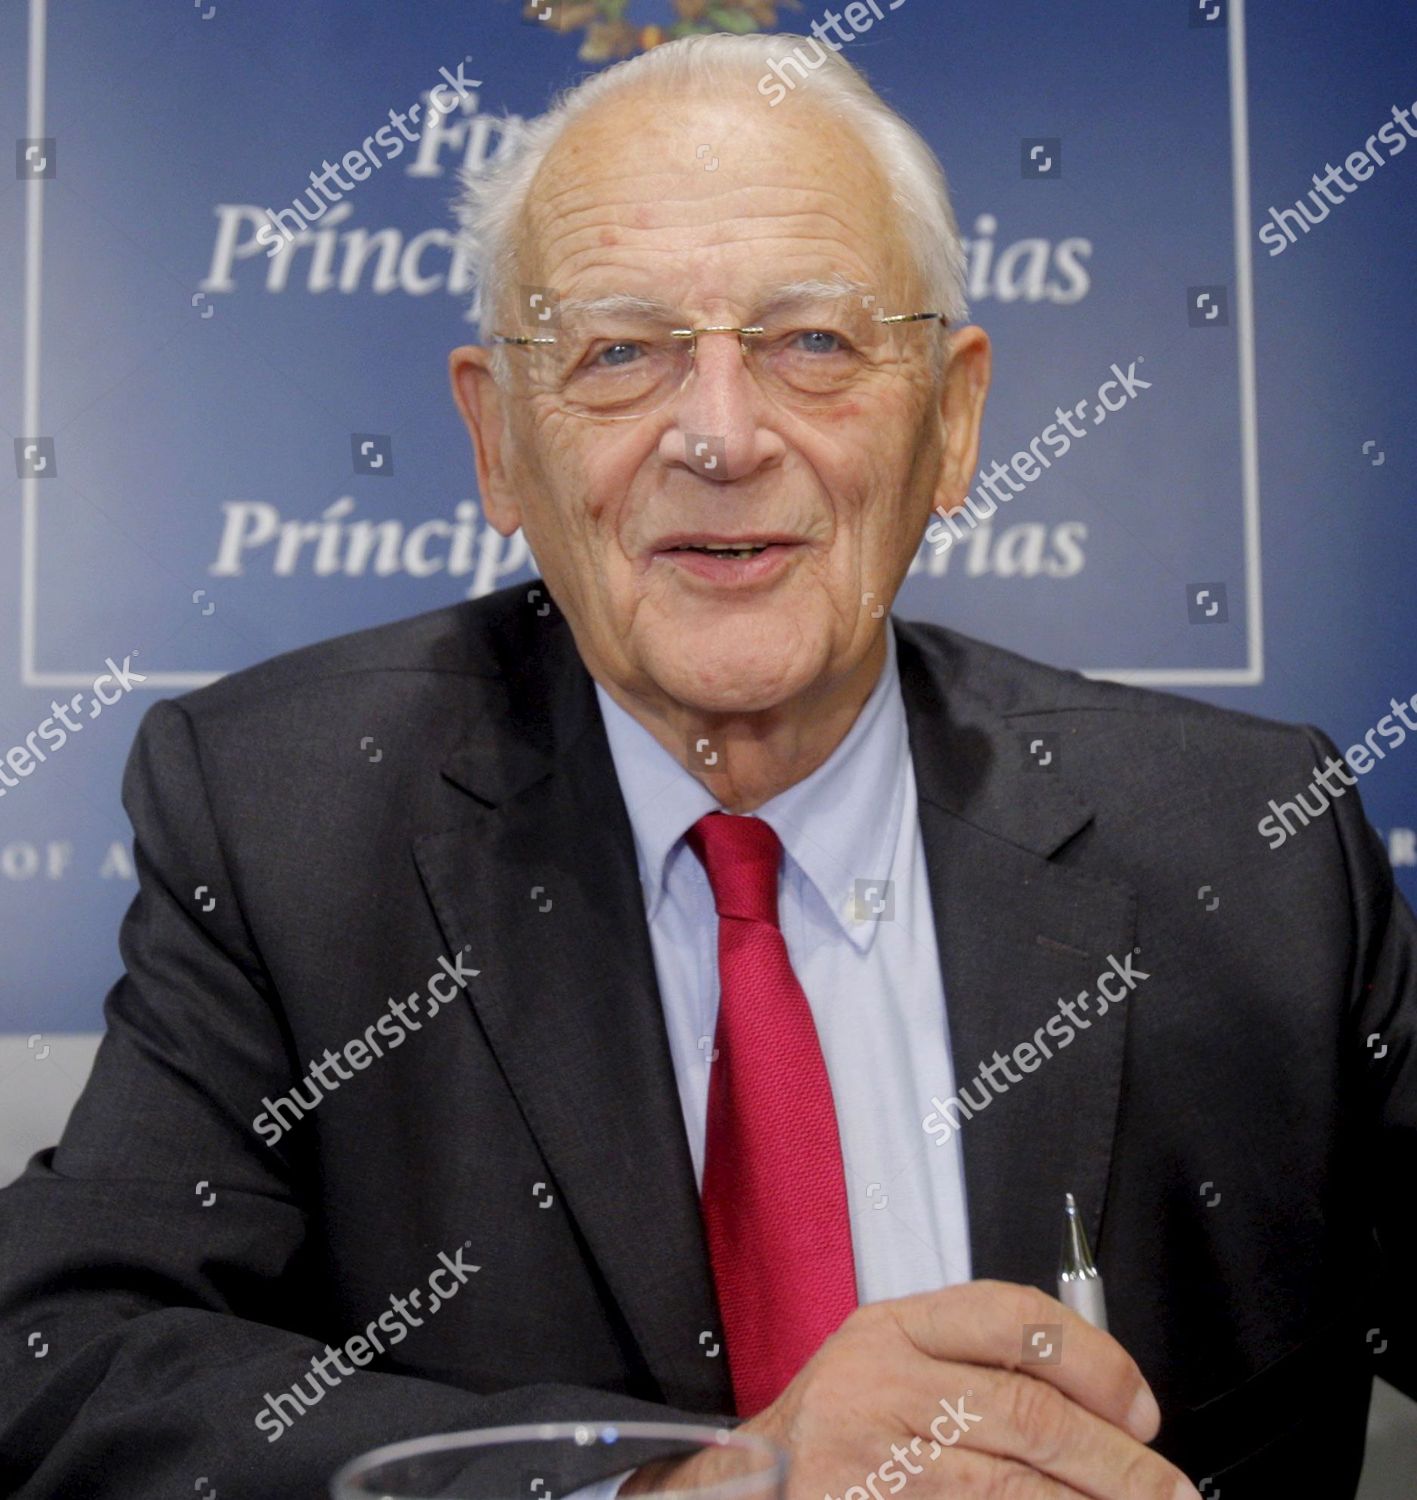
(940, 1385)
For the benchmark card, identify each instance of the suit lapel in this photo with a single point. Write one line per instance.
(1016, 932)
(540, 880)
(568, 1000)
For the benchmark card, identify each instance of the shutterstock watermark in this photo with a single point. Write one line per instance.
(945, 1431)
(63, 721)
(359, 163)
(860, 16)
(1114, 985)
(1279, 232)
(1058, 437)
(278, 1415)
(394, 1026)
(1275, 825)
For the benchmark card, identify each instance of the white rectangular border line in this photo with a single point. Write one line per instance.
(34, 240)
(1246, 676)
(1252, 674)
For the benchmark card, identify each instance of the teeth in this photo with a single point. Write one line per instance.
(721, 551)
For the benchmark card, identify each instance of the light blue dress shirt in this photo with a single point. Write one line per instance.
(854, 907)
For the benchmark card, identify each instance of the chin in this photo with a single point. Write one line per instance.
(724, 670)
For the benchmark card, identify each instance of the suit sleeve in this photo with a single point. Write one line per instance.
(160, 1252)
(1381, 1038)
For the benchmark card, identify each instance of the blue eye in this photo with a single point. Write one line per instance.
(817, 336)
(614, 349)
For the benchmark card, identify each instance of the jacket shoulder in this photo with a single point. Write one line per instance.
(471, 639)
(1017, 687)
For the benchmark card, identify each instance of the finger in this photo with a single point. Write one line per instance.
(987, 1323)
(961, 1472)
(1016, 1417)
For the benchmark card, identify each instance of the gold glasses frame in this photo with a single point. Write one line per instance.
(692, 335)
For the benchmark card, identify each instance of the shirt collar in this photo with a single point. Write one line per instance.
(840, 824)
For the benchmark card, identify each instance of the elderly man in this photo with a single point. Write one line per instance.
(649, 998)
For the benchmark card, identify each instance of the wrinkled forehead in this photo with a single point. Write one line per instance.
(710, 201)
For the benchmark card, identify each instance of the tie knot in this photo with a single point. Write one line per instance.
(741, 856)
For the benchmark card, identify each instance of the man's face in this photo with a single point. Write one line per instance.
(626, 202)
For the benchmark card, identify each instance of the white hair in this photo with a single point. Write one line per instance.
(493, 201)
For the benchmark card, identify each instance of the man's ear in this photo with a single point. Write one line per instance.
(484, 410)
(962, 393)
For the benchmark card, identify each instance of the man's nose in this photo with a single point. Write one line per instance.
(717, 429)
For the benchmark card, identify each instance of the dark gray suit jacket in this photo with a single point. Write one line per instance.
(359, 809)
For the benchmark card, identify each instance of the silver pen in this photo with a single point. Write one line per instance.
(1079, 1283)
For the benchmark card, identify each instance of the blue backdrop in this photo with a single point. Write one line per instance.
(188, 413)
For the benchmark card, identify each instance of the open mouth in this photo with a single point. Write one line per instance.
(749, 551)
(744, 565)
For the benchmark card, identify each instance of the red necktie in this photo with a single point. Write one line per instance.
(774, 1192)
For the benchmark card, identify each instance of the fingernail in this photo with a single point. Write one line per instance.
(1144, 1419)
(1185, 1490)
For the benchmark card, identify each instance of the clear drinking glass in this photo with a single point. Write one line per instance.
(552, 1460)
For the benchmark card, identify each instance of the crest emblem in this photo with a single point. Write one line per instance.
(615, 29)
